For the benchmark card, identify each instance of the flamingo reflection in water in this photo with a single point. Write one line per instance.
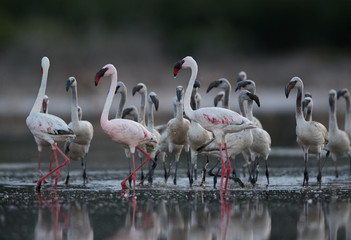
(141, 230)
(55, 223)
(51, 221)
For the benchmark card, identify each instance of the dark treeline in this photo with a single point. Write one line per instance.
(267, 26)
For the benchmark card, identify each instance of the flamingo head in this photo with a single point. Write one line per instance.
(247, 95)
(140, 88)
(246, 84)
(332, 97)
(131, 111)
(184, 63)
(241, 76)
(220, 83)
(179, 93)
(152, 99)
(120, 87)
(294, 82)
(71, 82)
(218, 98)
(343, 93)
(45, 64)
(107, 70)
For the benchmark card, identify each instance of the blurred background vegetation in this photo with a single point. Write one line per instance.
(271, 40)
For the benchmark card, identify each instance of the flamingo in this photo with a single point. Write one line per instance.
(78, 148)
(41, 143)
(123, 131)
(219, 121)
(246, 137)
(237, 142)
(346, 95)
(309, 133)
(250, 86)
(177, 129)
(152, 147)
(261, 145)
(339, 142)
(48, 127)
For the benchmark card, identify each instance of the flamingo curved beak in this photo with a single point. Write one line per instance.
(99, 75)
(179, 94)
(255, 98)
(241, 84)
(155, 101)
(217, 99)
(136, 89)
(288, 88)
(196, 84)
(213, 84)
(177, 67)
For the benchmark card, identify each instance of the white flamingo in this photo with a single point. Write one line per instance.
(309, 133)
(261, 145)
(48, 127)
(250, 86)
(177, 129)
(122, 131)
(346, 95)
(339, 142)
(219, 121)
(77, 149)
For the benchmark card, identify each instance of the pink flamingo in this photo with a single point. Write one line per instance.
(219, 121)
(123, 131)
(42, 143)
(48, 127)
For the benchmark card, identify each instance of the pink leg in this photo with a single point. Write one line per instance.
(228, 167)
(58, 171)
(123, 183)
(223, 167)
(51, 172)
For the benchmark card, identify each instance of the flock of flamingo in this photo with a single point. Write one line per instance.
(210, 131)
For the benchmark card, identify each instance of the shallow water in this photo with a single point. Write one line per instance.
(99, 210)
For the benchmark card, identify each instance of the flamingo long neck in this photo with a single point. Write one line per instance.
(333, 123)
(142, 109)
(226, 102)
(242, 107)
(150, 117)
(347, 116)
(187, 108)
(108, 102)
(250, 110)
(179, 111)
(299, 114)
(39, 100)
(74, 105)
(308, 116)
(122, 102)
